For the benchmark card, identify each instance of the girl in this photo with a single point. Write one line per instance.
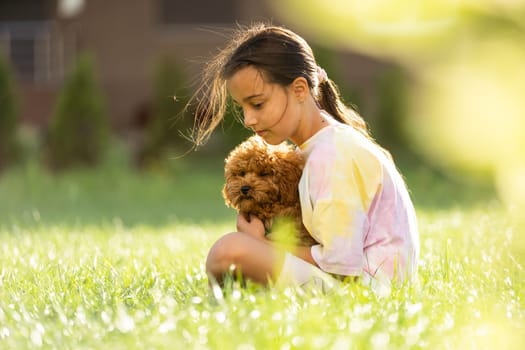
(354, 202)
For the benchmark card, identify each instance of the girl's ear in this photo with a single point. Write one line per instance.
(300, 88)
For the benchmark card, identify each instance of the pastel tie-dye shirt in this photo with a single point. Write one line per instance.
(356, 205)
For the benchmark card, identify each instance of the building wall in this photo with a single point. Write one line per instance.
(120, 35)
(127, 38)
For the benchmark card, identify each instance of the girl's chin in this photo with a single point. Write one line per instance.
(272, 139)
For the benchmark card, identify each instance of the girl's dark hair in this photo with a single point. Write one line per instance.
(282, 56)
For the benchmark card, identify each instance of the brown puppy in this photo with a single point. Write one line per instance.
(263, 180)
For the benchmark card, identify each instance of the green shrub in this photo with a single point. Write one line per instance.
(8, 117)
(232, 130)
(330, 61)
(391, 108)
(167, 129)
(79, 129)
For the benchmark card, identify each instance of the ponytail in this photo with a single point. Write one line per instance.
(329, 99)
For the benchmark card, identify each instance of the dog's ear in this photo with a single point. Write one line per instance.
(225, 195)
(288, 166)
(294, 163)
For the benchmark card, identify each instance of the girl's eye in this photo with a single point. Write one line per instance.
(257, 105)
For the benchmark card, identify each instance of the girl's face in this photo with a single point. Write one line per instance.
(270, 110)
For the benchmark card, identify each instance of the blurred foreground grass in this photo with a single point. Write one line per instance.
(115, 259)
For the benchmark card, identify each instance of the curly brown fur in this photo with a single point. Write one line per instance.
(263, 180)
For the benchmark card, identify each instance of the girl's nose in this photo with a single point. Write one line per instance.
(249, 120)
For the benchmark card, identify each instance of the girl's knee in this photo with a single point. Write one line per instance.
(225, 253)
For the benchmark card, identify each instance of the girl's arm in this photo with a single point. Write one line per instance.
(304, 253)
(250, 225)
(254, 227)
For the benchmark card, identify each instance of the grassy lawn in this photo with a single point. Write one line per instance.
(112, 259)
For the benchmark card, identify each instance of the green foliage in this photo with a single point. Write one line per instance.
(8, 117)
(386, 117)
(167, 127)
(327, 59)
(228, 134)
(79, 129)
(232, 131)
(90, 196)
(391, 86)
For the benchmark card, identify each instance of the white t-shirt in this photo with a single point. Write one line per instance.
(356, 205)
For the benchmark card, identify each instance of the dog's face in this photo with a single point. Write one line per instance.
(258, 174)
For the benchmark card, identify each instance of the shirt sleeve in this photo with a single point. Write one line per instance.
(342, 189)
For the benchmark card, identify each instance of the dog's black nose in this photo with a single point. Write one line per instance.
(245, 189)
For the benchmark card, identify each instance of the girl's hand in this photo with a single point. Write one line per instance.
(251, 225)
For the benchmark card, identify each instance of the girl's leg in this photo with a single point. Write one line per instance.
(255, 259)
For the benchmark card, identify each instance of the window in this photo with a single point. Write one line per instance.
(27, 10)
(22, 56)
(25, 37)
(27, 46)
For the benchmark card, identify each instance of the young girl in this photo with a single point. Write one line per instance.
(354, 202)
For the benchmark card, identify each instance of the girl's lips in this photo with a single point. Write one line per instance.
(260, 132)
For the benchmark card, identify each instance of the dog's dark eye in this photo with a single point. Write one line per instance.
(242, 173)
(264, 173)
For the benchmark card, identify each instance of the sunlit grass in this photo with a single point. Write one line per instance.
(123, 284)
(30, 195)
(66, 286)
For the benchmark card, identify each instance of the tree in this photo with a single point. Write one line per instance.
(166, 127)
(79, 129)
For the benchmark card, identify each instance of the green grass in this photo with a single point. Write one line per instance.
(31, 195)
(112, 259)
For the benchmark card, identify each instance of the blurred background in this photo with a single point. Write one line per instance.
(441, 82)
